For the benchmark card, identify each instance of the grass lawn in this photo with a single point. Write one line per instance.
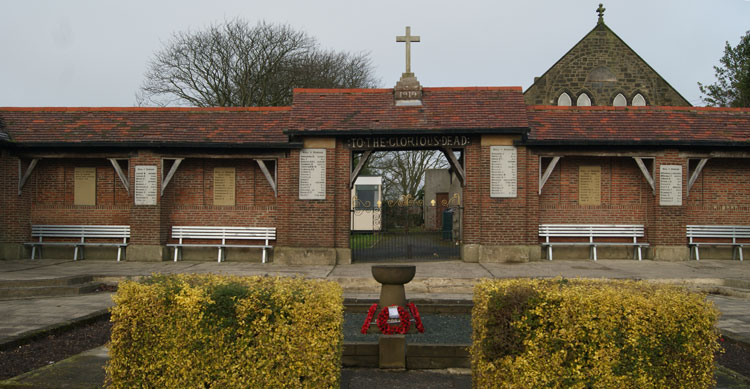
(363, 240)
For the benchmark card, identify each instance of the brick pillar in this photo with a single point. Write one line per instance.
(307, 231)
(146, 240)
(342, 199)
(15, 210)
(531, 187)
(472, 202)
(668, 233)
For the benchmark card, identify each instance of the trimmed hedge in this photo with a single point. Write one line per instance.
(184, 331)
(591, 334)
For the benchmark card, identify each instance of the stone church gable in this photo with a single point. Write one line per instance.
(603, 66)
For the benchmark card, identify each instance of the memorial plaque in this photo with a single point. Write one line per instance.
(224, 186)
(312, 174)
(589, 185)
(670, 185)
(146, 185)
(85, 186)
(503, 171)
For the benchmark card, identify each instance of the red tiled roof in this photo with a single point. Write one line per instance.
(638, 124)
(197, 126)
(351, 110)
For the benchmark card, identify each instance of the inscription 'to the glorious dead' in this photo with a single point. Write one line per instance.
(405, 142)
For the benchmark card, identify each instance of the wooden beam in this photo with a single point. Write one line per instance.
(229, 155)
(172, 170)
(271, 179)
(74, 155)
(455, 165)
(22, 179)
(696, 173)
(583, 153)
(547, 172)
(120, 173)
(646, 173)
(358, 169)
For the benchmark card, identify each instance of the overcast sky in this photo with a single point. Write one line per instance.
(94, 53)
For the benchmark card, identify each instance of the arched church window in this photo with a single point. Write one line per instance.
(620, 100)
(583, 100)
(639, 100)
(564, 100)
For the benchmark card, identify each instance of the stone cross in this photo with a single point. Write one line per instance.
(601, 10)
(408, 38)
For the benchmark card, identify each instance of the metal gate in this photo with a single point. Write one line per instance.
(406, 229)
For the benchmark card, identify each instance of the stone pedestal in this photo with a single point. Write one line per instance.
(392, 348)
(392, 352)
(393, 278)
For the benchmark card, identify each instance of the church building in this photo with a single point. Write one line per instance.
(599, 144)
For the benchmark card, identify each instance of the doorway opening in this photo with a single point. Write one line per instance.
(406, 205)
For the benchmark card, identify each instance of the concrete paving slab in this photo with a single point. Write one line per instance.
(23, 317)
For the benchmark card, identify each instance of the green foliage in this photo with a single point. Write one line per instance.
(226, 332)
(732, 88)
(503, 339)
(591, 334)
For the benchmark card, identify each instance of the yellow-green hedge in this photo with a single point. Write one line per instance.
(591, 334)
(201, 331)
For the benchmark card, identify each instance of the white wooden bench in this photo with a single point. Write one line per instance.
(222, 234)
(716, 236)
(80, 233)
(596, 234)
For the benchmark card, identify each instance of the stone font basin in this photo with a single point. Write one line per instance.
(393, 274)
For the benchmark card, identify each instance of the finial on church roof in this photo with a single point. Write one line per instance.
(601, 10)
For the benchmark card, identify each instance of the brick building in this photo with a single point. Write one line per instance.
(601, 69)
(244, 166)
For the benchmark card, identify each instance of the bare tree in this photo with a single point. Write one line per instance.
(403, 171)
(235, 64)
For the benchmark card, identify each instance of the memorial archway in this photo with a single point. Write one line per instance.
(418, 220)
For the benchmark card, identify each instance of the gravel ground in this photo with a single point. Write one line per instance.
(54, 347)
(437, 329)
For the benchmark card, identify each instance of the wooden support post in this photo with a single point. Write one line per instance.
(172, 170)
(456, 165)
(646, 173)
(271, 179)
(121, 174)
(696, 173)
(22, 179)
(547, 172)
(361, 164)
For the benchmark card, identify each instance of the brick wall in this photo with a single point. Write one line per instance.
(721, 194)
(472, 192)
(48, 197)
(52, 189)
(625, 194)
(504, 221)
(188, 199)
(313, 223)
(15, 226)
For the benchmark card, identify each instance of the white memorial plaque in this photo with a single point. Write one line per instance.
(670, 185)
(312, 174)
(146, 185)
(503, 171)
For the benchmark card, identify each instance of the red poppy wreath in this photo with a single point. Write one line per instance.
(388, 329)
